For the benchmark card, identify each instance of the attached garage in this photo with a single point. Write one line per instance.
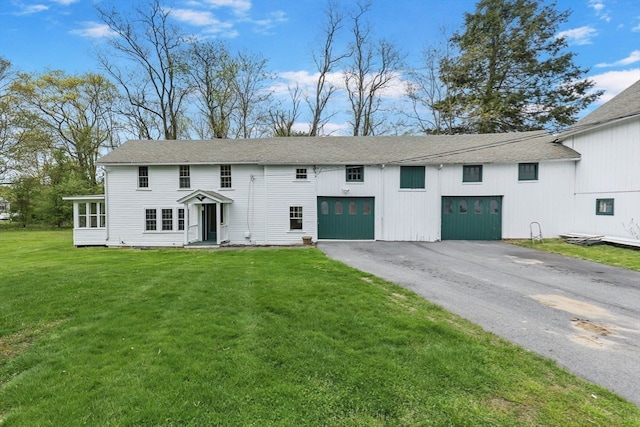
(346, 218)
(471, 218)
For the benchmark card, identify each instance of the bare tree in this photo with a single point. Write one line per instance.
(426, 91)
(373, 67)
(155, 84)
(282, 120)
(326, 60)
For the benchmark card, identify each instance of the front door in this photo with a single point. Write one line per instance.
(209, 223)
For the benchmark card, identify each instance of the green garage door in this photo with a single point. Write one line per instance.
(472, 218)
(348, 218)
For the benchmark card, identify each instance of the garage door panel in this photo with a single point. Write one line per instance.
(348, 218)
(471, 218)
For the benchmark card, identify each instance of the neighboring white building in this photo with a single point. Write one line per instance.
(607, 193)
(275, 191)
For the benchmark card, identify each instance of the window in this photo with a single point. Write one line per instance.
(143, 177)
(301, 173)
(366, 208)
(225, 176)
(180, 219)
(472, 173)
(167, 219)
(412, 176)
(324, 208)
(494, 207)
(477, 206)
(355, 173)
(91, 215)
(295, 218)
(527, 172)
(337, 208)
(462, 207)
(604, 206)
(353, 208)
(150, 220)
(185, 177)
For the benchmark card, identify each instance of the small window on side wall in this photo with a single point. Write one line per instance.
(472, 173)
(527, 171)
(301, 173)
(355, 173)
(604, 206)
(225, 176)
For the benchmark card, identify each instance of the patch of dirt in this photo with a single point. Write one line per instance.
(367, 279)
(589, 326)
(572, 306)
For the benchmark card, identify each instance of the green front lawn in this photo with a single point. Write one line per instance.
(254, 337)
(628, 258)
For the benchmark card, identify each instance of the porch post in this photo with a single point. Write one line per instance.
(218, 216)
(186, 223)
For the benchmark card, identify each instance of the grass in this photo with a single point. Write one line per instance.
(256, 337)
(604, 254)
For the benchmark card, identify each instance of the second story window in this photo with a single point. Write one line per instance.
(143, 177)
(301, 173)
(225, 176)
(527, 171)
(472, 173)
(355, 173)
(185, 177)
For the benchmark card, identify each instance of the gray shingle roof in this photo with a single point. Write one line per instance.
(624, 105)
(433, 149)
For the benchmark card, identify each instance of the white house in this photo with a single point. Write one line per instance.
(408, 188)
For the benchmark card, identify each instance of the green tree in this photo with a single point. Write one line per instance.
(512, 72)
(72, 112)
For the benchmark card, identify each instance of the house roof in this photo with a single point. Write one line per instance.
(421, 150)
(623, 106)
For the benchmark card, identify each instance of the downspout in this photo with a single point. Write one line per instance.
(382, 193)
(106, 204)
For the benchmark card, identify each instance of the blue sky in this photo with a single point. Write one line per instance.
(36, 35)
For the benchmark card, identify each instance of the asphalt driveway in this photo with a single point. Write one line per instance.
(583, 315)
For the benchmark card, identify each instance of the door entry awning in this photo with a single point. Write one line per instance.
(202, 197)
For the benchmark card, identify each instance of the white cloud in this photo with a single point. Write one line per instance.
(631, 59)
(614, 82)
(30, 9)
(93, 30)
(599, 8)
(65, 2)
(579, 36)
(194, 17)
(239, 7)
(269, 22)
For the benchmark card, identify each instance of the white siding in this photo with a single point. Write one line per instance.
(609, 169)
(410, 214)
(282, 191)
(547, 201)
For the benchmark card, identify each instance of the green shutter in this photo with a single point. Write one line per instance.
(412, 176)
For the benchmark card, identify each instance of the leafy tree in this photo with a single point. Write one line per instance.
(253, 98)
(212, 71)
(73, 113)
(512, 72)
